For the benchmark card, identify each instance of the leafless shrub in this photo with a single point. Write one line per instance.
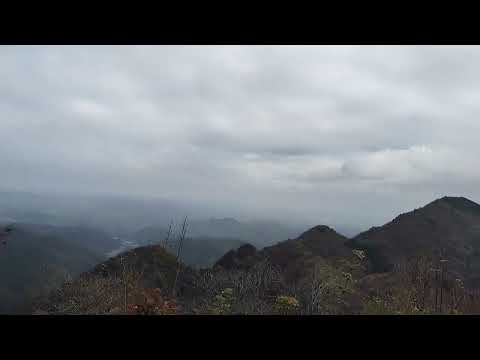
(253, 290)
(417, 284)
(94, 294)
(325, 290)
(426, 285)
(130, 280)
(167, 238)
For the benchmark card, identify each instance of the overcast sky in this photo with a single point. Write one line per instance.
(320, 134)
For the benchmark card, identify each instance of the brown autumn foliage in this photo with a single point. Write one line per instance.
(106, 295)
(152, 302)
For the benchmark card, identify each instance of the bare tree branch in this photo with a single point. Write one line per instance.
(179, 252)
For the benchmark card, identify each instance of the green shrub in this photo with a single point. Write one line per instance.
(222, 304)
(286, 305)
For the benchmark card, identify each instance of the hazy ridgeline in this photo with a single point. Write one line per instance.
(58, 237)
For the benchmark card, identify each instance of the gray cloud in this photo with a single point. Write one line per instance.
(316, 134)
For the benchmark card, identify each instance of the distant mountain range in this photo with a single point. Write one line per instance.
(115, 215)
(208, 240)
(121, 216)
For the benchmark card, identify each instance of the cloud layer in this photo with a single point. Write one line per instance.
(316, 134)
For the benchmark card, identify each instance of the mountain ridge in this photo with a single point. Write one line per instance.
(443, 225)
(446, 228)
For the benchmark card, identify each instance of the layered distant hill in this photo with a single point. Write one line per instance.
(121, 216)
(115, 215)
(208, 240)
(260, 233)
(199, 251)
(127, 222)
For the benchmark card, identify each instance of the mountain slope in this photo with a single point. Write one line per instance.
(448, 227)
(33, 262)
(130, 275)
(297, 257)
